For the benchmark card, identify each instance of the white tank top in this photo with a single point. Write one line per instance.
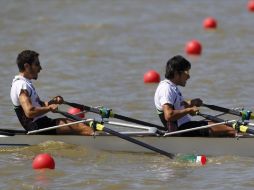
(167, 92)
(21, 83)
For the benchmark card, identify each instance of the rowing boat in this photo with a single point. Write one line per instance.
(146, 140)
(238, 146)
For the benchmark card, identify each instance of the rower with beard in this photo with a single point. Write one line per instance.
(30, 109)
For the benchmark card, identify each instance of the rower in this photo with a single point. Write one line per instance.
(30, 109)
(174, 111)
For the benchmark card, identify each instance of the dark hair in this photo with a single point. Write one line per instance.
(26, 56)
(176, 64)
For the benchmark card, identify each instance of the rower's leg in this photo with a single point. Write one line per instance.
(77, 129)
(222, 131)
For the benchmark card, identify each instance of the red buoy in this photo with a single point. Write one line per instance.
(209, 23)
(151, 76)
(42, 161)
(193, 47)
(76, 111)
(250, 5)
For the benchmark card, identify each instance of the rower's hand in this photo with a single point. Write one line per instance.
(53, 107)
(193, 110)
(196, 102)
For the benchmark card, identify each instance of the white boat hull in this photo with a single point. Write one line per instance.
(242, 146)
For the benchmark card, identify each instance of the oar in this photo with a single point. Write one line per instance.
(106, 113)
(237, 126)
(58, 126)
(198, 128)
(100, 127)
(246, 115)
(149, 129)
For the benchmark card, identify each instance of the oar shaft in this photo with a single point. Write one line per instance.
(130, 125)
(110, 131)
(70, 116)
(229, 111)
(138, 142)
(83, 107)
(198, 128)
(221, 109)
(241, 128)
(58, 126)
(121, 117)
(209, 117)
(117, 116)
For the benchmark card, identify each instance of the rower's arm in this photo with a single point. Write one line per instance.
(29, 109)
(171, 114)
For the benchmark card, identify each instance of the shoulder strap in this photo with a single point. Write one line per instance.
(163, 121)
(31, 87)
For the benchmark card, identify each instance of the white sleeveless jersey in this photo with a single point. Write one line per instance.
(21, 83)
(167, 92)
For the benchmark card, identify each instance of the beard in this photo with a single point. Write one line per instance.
(35, 77)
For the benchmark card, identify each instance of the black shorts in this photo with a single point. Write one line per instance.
(193, 124)
(45, 122)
